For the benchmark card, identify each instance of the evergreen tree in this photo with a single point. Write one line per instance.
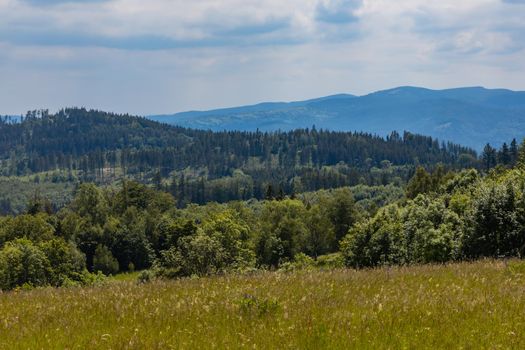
(504, 156)
(489, 157)
(513, 151)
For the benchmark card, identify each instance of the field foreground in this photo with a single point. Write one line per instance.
(460, 306)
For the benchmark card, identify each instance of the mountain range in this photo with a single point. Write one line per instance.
(471, 116)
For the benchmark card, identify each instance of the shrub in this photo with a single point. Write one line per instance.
(301, 261)
(331, 261)
(146, 276)
(251, 305)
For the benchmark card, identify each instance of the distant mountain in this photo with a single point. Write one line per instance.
(471, 116)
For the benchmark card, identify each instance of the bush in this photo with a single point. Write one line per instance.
(146, 276)
(301, 261)
(331, 261)
(251, 305)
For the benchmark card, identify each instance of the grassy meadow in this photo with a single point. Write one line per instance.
(459, 306)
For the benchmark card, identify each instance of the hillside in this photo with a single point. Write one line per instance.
(198, 166)
(469, 116)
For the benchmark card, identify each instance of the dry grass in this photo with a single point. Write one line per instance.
(460, 306)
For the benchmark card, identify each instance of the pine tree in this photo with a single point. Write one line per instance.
(269, 193)
(504, 155)
(489, 157)
(513, 152)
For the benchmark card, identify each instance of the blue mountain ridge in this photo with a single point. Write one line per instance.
(471, 116)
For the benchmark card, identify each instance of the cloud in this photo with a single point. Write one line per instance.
(517, 2)
(156, 24)
(161, 56)
(337, 12)
(58, 2)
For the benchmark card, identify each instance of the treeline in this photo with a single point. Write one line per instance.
(507, 155)
(453, 217)
(443, 216)
(199, 166)
(136, 227)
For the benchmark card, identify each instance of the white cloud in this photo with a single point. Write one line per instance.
(163, 56)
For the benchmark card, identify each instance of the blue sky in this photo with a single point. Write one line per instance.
(164, 56)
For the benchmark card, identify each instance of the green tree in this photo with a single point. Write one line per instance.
(104, 261)
(233, 236)
(21, 262)
(342, 212)
(90, 204)
(65, 260)
(376, 241)
(33, 227)
(198, 255)
(421, 182)
(494, 229)
(282, 231)
(489, 157)
(320, 237)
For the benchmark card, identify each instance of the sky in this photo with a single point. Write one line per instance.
(165, 56)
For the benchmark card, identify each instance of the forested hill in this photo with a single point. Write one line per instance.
(99, 146)
(471, 116)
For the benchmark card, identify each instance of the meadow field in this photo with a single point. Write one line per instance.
(477, 305)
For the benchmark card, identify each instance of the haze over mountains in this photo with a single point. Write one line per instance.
(471, 116)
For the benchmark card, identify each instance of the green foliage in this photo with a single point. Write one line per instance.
(251, 305)
(17, 192)
(66, 262)
(496, 229)
(90, 204)
(221, 245)
(420, 183)
(432, 232)
(146, 276)
(451, 217)
(53, 262)
(375, 241)
(195, 255)
(198, 166)
(319, 238)
(330, 261)
(300, 261)
(465, 217)
(283, 231)
(23, 263)
(104, 261)
(342, 212)
(35, 228)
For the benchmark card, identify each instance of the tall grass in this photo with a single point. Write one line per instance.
(461, 306)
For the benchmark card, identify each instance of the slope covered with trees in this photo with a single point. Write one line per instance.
(442, 216)
(76, 145)
(398, 200)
